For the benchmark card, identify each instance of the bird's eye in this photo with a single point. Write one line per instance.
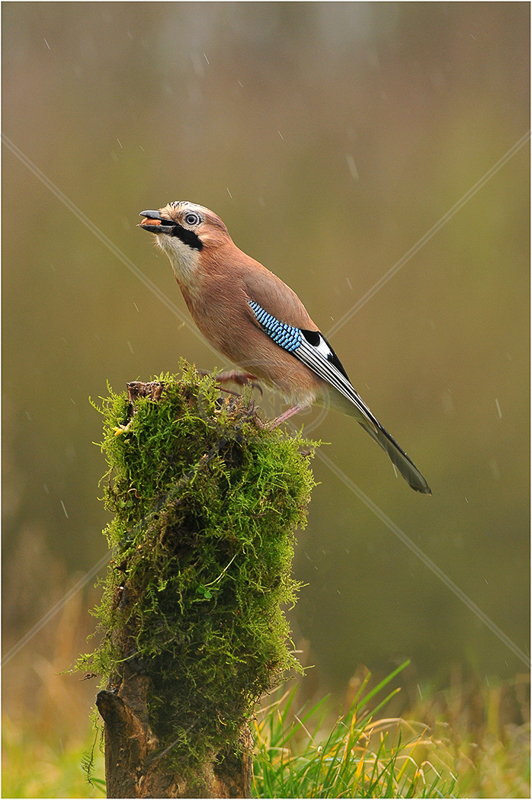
(192, 218)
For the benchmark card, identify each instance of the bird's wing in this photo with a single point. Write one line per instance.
(273, 295)
(312, 349)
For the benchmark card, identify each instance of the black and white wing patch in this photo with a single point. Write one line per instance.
(313, 350)
(317, 354)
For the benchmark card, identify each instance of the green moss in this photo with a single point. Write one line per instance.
(206, 506)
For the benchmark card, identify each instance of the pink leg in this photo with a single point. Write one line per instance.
(235, 376)
(242, 378)
(290, 412)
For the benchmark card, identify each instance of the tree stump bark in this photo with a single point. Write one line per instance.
(134, 764)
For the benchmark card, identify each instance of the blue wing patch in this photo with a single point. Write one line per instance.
(286, 336)
(313, 350)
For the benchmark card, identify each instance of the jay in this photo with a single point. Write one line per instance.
(259, 323)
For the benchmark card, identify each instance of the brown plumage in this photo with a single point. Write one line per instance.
(258, 322)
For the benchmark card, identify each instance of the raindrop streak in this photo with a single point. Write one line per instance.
(129, 344)
(352, 167)
(47, 45)
(494, 467)
(499, 412)
(64, 509)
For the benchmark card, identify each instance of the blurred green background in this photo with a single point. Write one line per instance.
(330, 137)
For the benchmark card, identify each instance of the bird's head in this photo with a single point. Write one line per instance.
(184, 230)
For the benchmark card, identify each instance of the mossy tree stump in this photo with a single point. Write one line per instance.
(206, 505)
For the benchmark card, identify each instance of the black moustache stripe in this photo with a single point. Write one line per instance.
(187, 237)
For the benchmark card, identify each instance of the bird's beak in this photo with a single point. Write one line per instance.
(154, 223)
